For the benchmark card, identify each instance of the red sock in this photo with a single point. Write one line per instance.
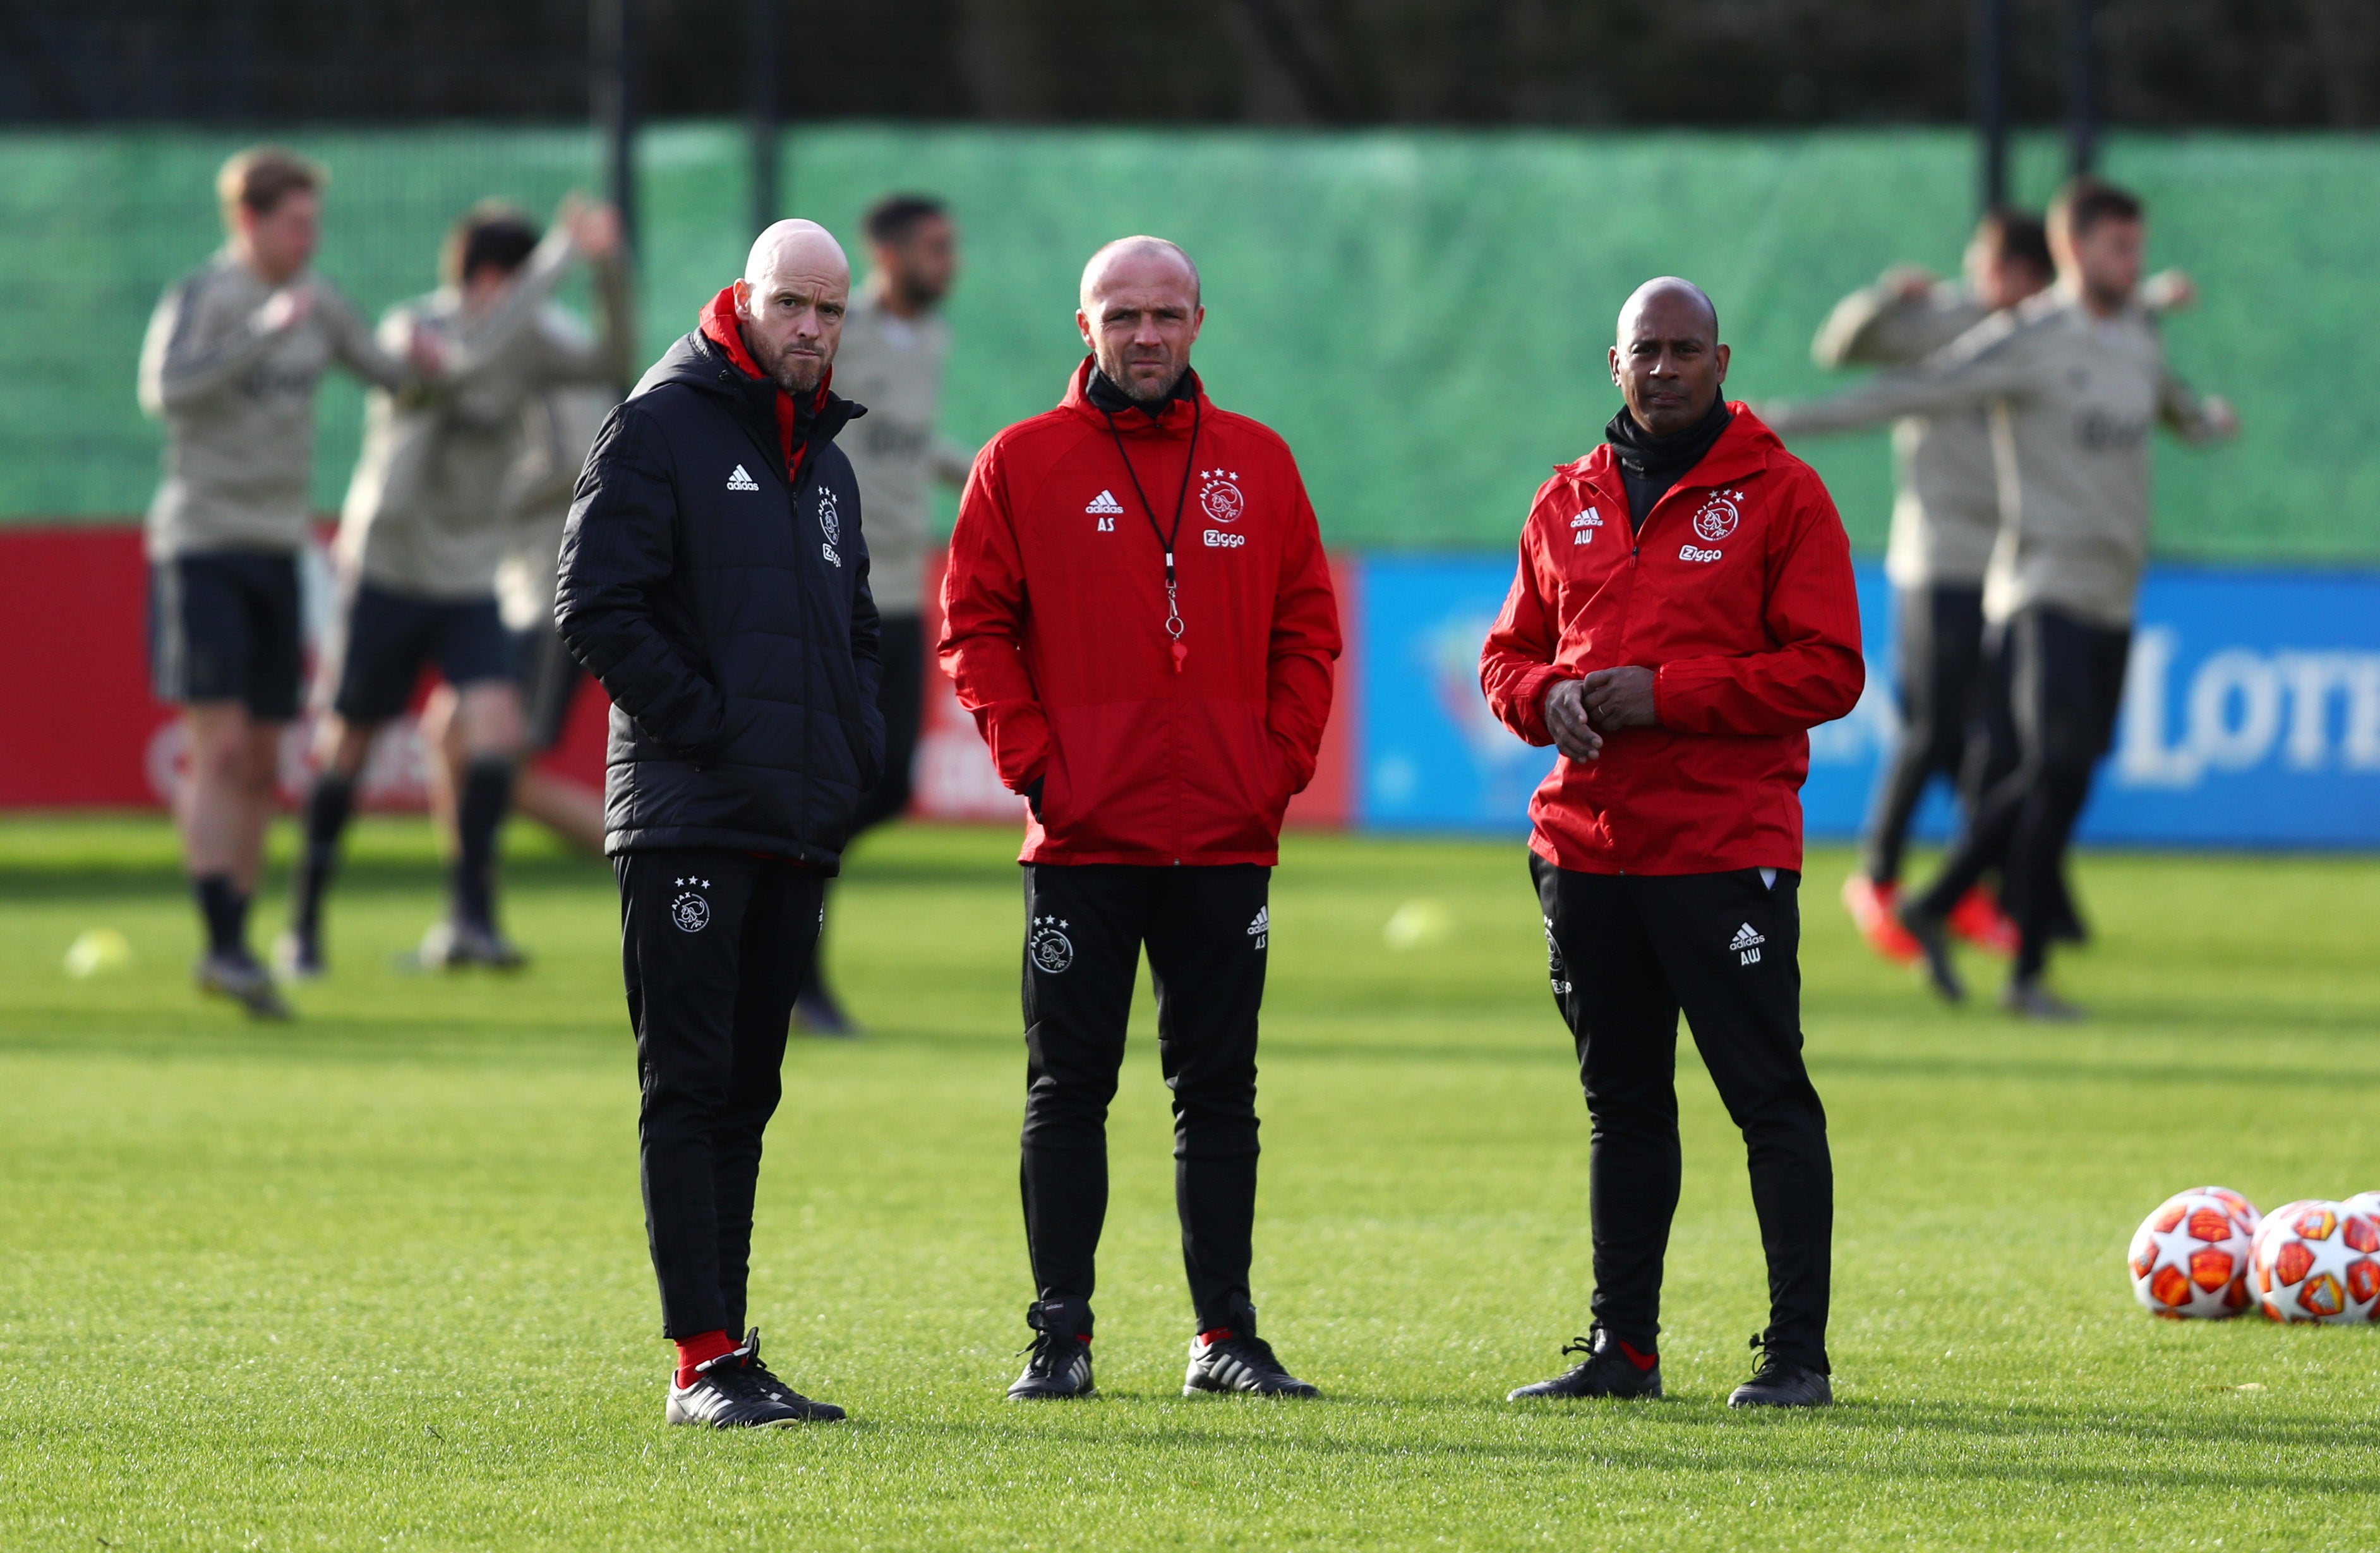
(1220, 1334)
(1642, 1361)
(700, 1349)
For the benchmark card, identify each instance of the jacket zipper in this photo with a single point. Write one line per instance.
(1636, 579)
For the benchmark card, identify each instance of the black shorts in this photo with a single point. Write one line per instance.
(549, 681)
(384, 638)
(226, 626)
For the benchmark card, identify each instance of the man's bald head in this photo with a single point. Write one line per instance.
(1667, 358)
(1140, 313)
(796, 246)
(1678, 289)
(789, 305)
(1137, 260)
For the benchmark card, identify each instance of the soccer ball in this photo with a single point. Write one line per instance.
(2242, 1209)
(2189, 1258)
(2365, 1203)
(2317, 1261)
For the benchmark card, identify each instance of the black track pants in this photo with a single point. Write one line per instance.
(2065, 680)
(1206, 930)
(714, 944)
(1937, 654)
(1628, 952)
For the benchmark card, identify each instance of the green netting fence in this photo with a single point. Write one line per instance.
(1424, 316)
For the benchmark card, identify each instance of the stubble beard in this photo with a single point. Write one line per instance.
(1142, 392)
(798, 376)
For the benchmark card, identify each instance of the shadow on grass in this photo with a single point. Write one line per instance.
(1885, 1442)
(2163, 1073)
(145, 881)
(345, 1039)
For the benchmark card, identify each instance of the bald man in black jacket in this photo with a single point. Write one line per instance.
(715, 581)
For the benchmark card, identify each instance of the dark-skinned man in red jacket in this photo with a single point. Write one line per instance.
(1682, 614)
(1138, 613)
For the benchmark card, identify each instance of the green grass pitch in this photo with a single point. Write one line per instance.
(377, 1278)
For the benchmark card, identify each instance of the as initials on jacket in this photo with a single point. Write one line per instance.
(1055, 630)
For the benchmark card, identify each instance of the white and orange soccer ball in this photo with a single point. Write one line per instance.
(2317, 1261)
(2189, 1258)
(2242, 1209)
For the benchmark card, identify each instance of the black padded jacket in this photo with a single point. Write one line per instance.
(725, 610)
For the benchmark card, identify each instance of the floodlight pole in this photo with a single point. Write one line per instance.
(1988, 93)
(2081, 86)
(613, 92)
(761, 106)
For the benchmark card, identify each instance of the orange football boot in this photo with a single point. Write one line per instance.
(1874, 910)
(1978, 919)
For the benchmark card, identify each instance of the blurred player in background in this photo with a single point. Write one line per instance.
(234, 356)
(422, 537)
(1139, 614)
(894, 343)
(2079, 378)
(557, 428)
(1946, 511)
(1682, 614)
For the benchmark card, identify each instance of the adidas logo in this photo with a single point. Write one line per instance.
(1104, 502)
(1746, 945)
(741, 480)
(1590, 519)
(1260, 929)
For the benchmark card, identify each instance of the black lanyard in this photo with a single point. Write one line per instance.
(1181, 500)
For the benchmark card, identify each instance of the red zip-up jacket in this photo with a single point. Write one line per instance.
(1737, 593)
(1054, 611)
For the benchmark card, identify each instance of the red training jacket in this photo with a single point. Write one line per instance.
(1053, 615)
(1737, 593)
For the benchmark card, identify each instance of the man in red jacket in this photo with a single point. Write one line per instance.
(1682, 614)
(1138, 612)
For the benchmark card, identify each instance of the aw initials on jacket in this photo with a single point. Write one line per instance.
(1736, 592)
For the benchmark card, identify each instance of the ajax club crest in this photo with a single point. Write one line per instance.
(1719, 516)
(829, 520)
(1049, 948)
(1218, 496)
(690, 911)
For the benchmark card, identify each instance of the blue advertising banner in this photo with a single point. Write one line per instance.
(2251, 717)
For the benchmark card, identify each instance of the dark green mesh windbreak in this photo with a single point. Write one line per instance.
(1424, 316)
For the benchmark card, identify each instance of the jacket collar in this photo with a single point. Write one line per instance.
(719, 326)
(712, 360)
(1174, 421)
(1745, 448)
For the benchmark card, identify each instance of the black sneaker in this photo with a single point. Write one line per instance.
(1781, 1383)
(1932, 932)
(1602, 1371)
(2030, 999)
(298, 957)
(1233, 1362)
(243, 980)
(450, 945)
(736, 1391)
(1060, 1365)
(816, 1012)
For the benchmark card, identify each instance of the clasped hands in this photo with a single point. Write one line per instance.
(1579, 712)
